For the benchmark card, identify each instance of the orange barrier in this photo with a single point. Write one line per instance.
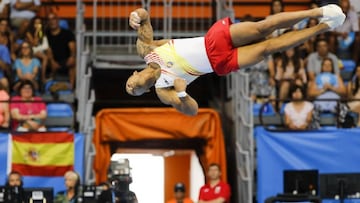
(130, 124)
(257, 8)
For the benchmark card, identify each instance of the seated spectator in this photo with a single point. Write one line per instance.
(262, 85)
(14, 183)
(5, 61)
(62, 52)
(308, 46)
(315, 59)
(354, 92)
(37, 38)
(276, 6)
(327, 85)
(4, 108)
(305, 23)
(287, 68)
(298, 112)
(22, 11)
(10, 37)
(344, 40)
(28, 112)
(72, 184)
(4, 8)
(26, 66)
(179, 194)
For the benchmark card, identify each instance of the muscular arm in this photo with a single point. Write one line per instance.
(140, 21)
(186, 105)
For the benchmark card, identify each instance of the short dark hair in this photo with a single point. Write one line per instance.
(23, 83)
(215, 164)
(14, 173)
(295, 87)
(179, 187)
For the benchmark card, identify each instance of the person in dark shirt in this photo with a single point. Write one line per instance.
(62, 54)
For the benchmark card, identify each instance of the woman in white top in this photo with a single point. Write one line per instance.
(35, 35)
(298, 112)
(353, 88)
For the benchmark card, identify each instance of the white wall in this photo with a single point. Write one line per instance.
(148, 177)
(196, 177)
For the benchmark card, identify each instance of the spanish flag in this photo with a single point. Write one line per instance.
(43, 154)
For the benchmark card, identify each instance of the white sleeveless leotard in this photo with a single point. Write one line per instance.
(180, 58)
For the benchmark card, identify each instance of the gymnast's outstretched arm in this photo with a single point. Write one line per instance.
(140, 20)
(176, 97)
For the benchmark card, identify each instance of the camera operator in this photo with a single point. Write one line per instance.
(14, 188)
(119, 179)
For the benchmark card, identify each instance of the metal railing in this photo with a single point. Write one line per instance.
(110, 39)
(238, 91)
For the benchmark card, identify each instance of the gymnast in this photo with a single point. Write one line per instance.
(172, 64)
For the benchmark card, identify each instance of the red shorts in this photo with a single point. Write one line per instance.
(221, 53)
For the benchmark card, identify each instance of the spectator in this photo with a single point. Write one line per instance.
(5, 61)
(4, 8)
(277, 6)
(37, 38)
(315, 59)
(327, 85)
(62, 52)
(309, 46)
(304, 23)
(215, 190)
(28, 112)
(22, 11)
(14, 184)
(179, 194)
(26, 66)
(354, 92)
(345, 37)
(262, 83)
(10, 37)
(298, 112)
(72, 184)
(287, 68)
(4, 108)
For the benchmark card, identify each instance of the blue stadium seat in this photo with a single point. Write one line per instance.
(59, 110)
(347, 71)
(268, 109)
(60, 117)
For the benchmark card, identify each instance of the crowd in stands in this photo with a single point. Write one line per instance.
(318, 76)
(34, 52)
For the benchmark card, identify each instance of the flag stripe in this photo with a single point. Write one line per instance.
(49, 137)
(60, 154)
(28, 170)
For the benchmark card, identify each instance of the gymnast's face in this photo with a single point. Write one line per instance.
(136, 84)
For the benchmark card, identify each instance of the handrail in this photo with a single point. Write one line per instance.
(269, 101)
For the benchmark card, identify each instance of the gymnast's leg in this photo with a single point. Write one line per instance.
(246, 32)
(252, 54)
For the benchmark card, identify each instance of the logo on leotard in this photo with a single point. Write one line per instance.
(167, 82)
(169, 64)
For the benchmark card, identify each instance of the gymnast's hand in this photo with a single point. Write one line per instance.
(134, 20)
(180, 85)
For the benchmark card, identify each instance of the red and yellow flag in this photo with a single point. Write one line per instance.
(43, 154)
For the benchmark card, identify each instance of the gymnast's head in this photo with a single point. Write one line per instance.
(140, 82)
